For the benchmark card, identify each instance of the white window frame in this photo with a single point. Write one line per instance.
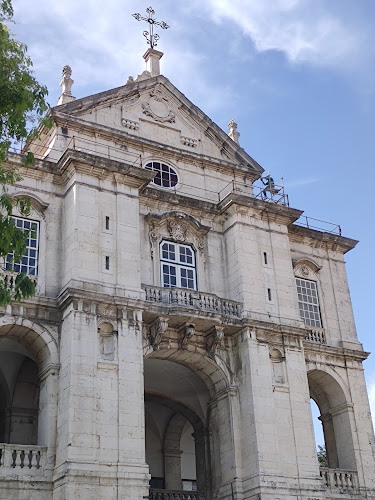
(30, 260)
(308, 302)
(171, 171)
(177, 262)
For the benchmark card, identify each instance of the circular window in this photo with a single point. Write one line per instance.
(166, 176)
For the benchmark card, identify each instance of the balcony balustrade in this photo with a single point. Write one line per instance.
(22, 460)
(337, 480)
(175, 495)
(316, 335)
(194, 299)
(9, 279)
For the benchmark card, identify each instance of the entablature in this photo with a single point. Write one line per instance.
(94, 165)
(320, 239)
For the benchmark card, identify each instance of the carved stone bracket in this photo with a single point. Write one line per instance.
(215, 338)
(157, 331)
(188, 332)
(153, 237)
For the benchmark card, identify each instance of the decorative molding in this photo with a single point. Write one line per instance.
(157, 107)
(130, 124)
(189, 331)
(216, 337)
(177, 229)
(157, 331)
(153, 237)
(177, 226)
(189, 141)
(306, 264)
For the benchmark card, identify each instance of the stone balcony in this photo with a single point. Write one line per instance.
(182, 305)
(340, 481)
(192, 299)
(22, 461)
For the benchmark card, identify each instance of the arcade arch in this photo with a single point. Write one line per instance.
(28, 362)
(335, 415)
(178, 417)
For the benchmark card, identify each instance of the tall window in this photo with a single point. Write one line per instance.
(166, 176)
(177, 263)
(308, 302)
(29, 262)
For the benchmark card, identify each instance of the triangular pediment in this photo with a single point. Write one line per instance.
(155, 109)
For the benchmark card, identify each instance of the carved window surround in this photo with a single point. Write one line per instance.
(180, 228)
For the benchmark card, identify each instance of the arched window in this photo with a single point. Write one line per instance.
(166, 176)
(177, 262)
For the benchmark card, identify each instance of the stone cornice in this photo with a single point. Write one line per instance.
(344, 353)
(272, 211)
(320, 239)
(99, 166)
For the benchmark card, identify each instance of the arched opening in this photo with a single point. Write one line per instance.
(176, 409)
(335, 416)
(25, 401)
(19, 385)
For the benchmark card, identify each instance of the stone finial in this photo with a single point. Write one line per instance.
(152, 58)
(233, 134)
(66, 86)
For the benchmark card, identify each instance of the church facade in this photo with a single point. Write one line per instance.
(182, 320)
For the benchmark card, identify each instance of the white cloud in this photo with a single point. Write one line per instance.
(301, 182)
(301, 29)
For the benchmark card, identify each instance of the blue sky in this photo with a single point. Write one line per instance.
(297, 76)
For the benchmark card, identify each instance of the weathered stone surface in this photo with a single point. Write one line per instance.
(109, 379)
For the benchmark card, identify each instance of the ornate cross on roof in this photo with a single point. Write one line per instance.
(151, 37)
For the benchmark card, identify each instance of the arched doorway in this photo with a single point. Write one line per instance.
(176, 409)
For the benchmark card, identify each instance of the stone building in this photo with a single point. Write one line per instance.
(183, 319)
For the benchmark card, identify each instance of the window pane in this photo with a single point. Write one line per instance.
(308, 302)
(166, 175)
(29, 262)
(182, 273)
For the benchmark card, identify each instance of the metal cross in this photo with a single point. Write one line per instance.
(151, 37)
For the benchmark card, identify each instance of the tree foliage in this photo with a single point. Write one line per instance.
(22, 104)
(322, 456)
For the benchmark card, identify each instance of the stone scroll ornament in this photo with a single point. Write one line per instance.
(177, 230)
(189, 332)
(157, 332)
(217, 337)
(157, 107)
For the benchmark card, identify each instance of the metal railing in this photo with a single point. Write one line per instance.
(19, 459)
(184, 297)
(337, 479)
(319, 225)
(175, 495)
